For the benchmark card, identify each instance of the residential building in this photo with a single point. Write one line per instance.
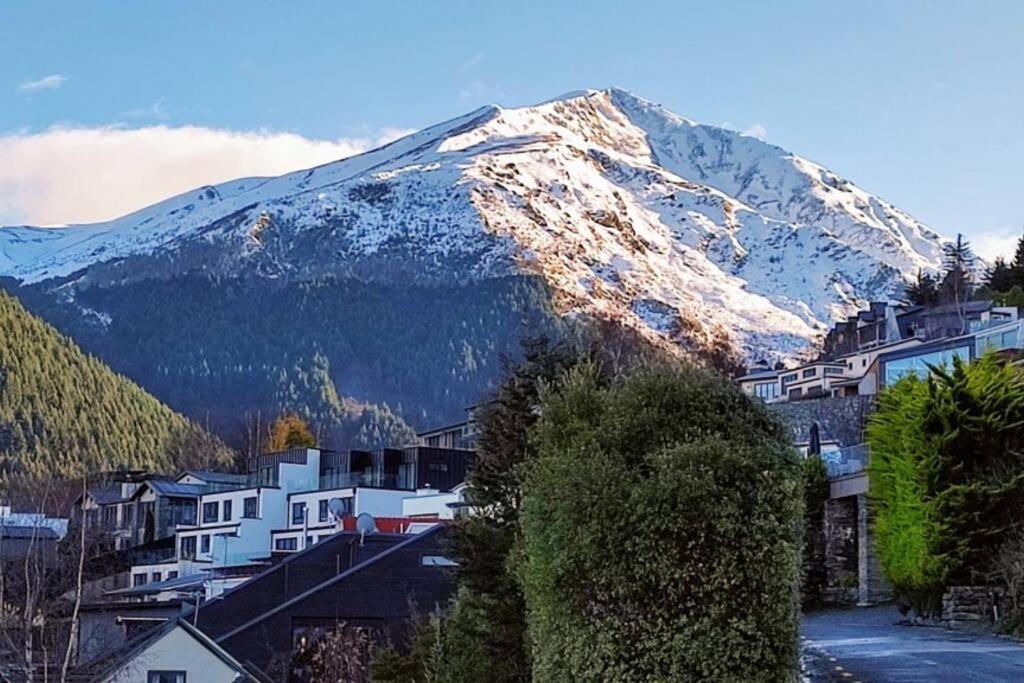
(176, 652)
(374, 583)
(887, 341)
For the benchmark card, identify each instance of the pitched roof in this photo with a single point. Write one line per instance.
(217, 477)
(21, 531)
(163, 487)
(415, 538)
(114, 659)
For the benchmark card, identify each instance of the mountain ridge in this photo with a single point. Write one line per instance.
(503, 222)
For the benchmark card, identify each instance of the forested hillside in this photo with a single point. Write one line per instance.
(63, 413)
(364, 363)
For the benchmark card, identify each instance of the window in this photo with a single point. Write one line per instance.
(188, 547)
(309, 541)
(323, 510)
(204, 544)
(227, 510)
(833, 371)
(786, 379)
(437, 561)
(766, 390)
(286, 544)
(165, 677)
(900, 367)
(157, 577)
(437, 467)
(209, 512)
(249, 510)
(298, 513)
(796, 393)
(138, 579)
(809, 372)
(172, 575)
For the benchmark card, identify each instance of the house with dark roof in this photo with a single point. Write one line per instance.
(376, 582)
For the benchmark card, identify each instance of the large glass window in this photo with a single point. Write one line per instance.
(766, 390)
(286, 544)
(899, 368)
(787, 379)
(810, 372)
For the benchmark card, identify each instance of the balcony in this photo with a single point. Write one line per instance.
(847, 461)
(341, 480)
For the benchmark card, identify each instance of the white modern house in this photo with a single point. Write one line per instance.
(292, 500)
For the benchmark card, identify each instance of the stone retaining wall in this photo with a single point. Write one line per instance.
(972, 606)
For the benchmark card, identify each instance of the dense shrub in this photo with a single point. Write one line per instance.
(662, 530)
(947, 474)
(816, 492)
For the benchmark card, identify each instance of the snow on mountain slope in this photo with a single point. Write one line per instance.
(689, 233)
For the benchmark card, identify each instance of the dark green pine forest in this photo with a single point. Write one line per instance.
(65, 413)
(366, 364)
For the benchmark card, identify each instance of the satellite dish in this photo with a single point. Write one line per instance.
(337, 507)
(365, 523)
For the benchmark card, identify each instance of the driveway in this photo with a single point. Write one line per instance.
(871, 646)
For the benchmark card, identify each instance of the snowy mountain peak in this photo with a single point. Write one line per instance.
(694, 235)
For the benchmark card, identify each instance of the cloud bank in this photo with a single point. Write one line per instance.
(83, 175)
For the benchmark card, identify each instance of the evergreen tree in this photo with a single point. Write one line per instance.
(1001, 276)
(947, 474)
(924, 291)
(1017, 265)
(957, 264)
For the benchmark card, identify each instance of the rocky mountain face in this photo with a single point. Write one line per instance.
(394, 281)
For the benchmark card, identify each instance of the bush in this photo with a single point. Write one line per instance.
(816, 492)
(947, 475)
(662, 530)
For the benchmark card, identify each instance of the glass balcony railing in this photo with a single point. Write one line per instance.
(847, 461)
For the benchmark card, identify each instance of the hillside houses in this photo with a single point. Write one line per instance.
(881, 344)
(216, 545)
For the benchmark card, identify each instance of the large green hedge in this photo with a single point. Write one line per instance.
(662, 530)
(947, 474)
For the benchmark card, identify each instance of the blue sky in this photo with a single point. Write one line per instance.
(920, 102)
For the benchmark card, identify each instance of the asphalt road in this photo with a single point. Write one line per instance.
(871, 646)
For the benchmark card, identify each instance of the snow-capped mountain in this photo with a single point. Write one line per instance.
(686, 232)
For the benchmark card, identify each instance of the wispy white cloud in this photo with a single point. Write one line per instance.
(992, 244)
(81, 175)
(51, 82)
(756, 131)
(471, 62)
